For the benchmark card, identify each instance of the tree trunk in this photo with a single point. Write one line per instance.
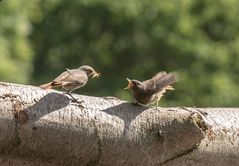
(40, 127)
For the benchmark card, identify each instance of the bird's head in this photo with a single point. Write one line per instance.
(133, 84)
(91, 73)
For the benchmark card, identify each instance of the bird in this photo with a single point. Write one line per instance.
(72, 79)
(151, 90)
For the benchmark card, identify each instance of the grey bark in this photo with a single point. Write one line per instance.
(40, 127)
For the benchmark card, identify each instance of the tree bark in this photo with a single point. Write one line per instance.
(40, 127)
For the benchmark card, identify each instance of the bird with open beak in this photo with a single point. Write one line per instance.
(72, 79)
(151, 91)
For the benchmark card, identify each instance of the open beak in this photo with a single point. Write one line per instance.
(130, 84)
(96, 74)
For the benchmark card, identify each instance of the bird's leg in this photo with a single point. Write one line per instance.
(157, 105)
(68, 92)
(136, 103)
(74, 99)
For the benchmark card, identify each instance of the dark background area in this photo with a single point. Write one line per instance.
(135, 39)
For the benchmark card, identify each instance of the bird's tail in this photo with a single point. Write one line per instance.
(46, 86)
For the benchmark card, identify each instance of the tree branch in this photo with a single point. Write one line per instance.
(46, 128)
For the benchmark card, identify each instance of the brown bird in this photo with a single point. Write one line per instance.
(72, 79)
(150, 91)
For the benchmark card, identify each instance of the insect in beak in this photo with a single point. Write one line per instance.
(96, 75)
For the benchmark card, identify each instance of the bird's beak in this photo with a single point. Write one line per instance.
(130, 84)
(96, 74)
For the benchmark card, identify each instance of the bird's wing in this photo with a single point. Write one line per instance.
(159, 75)
(148, 87)
(76, 77)
(61, 77)
(150, 84)
(165, 82)
(158, 82)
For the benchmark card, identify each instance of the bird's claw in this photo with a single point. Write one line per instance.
(78, 103)
(155, 108)
(74, 100)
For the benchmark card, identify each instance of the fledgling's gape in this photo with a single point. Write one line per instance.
(72, 79)
(150, 91)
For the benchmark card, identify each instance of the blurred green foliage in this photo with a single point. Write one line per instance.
(15, 50)
(135, 39)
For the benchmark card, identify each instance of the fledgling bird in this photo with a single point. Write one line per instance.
(150, 91)
(72, 79)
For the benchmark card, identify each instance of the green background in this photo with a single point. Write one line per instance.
(128, 38)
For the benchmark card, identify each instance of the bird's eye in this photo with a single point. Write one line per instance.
(138, 83)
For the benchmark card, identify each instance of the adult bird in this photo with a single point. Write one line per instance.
(72, 79)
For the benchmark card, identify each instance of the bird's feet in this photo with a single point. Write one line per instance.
(155, 107)
(74, 100)
(77, 102)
